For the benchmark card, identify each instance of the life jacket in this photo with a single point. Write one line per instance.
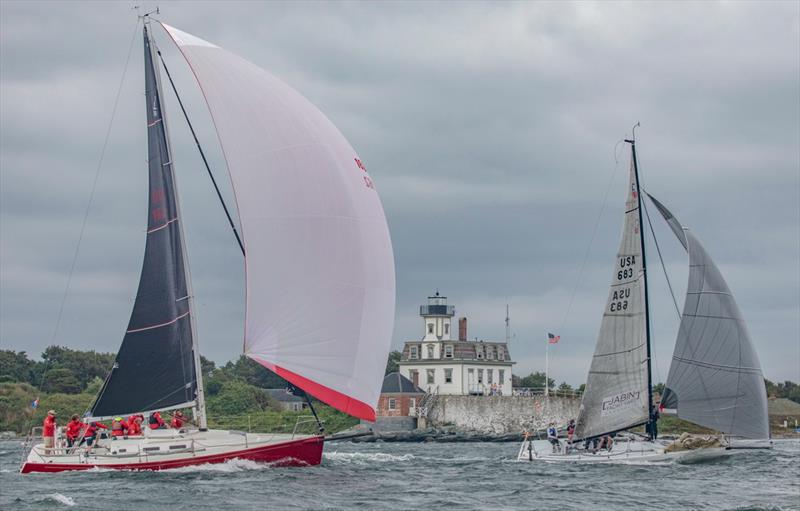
(74, 429)
(134, 428)
(177, 422)
(91, 429)
(155, 421)
(49, 426)
(119, 427)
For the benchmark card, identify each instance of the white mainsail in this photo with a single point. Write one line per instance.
(715, 378)
(616, 395)
(319, 264)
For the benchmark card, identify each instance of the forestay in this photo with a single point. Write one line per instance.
(319, 264)
(616, 389)
(154, 369)
(715, 379)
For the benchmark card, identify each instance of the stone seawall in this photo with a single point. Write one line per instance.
(500, 415)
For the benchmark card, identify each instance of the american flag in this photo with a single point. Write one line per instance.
(553, 339)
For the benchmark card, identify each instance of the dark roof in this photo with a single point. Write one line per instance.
(395, 383)
(283, 396)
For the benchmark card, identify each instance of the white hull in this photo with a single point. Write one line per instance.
(623, 452)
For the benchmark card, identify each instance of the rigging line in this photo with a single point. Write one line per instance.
(91, 194)
(660, 258)
(202, 154)
(594, 235)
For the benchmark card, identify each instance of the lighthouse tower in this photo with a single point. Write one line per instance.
(437, 316)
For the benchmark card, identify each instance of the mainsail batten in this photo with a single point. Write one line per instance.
(617, 390)
(319, 268)
(154, 368)
(715, 378)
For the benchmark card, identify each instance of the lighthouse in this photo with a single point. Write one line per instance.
(437, 316)
(441, 364)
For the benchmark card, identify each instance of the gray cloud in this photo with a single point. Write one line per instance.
(490, 131)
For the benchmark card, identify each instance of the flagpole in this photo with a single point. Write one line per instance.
(547, 369)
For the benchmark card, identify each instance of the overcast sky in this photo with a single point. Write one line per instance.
(490, 130)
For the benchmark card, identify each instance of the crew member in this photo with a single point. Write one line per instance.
(156, 422)
(74, 428)
(90, 434)
(135, 425)
(119, 427)
(49, 430)
(552, 435)
(177, 420)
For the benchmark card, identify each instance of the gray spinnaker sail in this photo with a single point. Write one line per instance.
(715, 378)
(616, 395)
(154, 369)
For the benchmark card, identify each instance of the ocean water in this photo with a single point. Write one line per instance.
(424, 476)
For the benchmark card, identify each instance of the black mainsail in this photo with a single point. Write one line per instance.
(155, 368)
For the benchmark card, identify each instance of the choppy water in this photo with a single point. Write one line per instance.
(406, 476)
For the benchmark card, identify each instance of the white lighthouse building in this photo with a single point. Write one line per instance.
(441, 364)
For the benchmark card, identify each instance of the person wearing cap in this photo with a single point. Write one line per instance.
(49, 430)
(177, 420)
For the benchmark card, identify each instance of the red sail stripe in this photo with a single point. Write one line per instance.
(341, 402)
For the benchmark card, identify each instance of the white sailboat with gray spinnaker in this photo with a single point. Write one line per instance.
(715, 378)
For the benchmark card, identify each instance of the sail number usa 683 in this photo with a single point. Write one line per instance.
(626, 263)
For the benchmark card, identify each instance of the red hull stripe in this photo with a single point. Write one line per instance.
(336, 399)
(294, 453)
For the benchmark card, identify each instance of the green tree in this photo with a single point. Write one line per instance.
(251, 372)
(392, 364)
(566, 387)
(237, 398)
(16, 366)
(61, 380)
(536, 380)
(83, 365)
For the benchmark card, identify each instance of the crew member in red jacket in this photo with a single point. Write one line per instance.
(119, 427)
(90, 434)
(177, 420)
(49, 430)
(156, 422)
(135, 425)
(74, 428)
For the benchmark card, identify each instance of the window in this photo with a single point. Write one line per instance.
(471, 375)
(495, 352)
(448, 351)
(501, 376)
(413, 375)
(446, 328)
(430, 328)
(431, 373)
(412, 402)
(430, 350)
(489, 354)
(501, 354)
(392, 403)
(448, 376)
(489, 374)
(480, 375)
(479, 350)
(413, 353)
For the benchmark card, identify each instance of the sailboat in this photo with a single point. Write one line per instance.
(319, 267)
(715, 378)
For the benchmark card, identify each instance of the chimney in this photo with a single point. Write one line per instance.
(462, 329)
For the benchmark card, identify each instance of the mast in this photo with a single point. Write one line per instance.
(199, 411)
(650, 419)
